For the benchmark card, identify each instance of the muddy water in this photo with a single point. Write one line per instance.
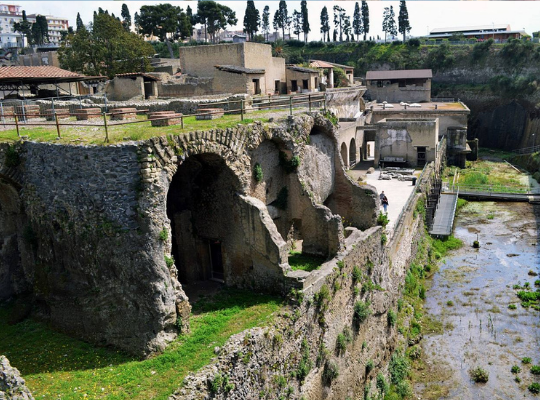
(479, 328)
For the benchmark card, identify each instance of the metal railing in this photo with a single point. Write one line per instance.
(58, 119)
(492, 189)
(528, 150)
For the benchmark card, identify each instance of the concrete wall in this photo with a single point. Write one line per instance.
(393, 93)
(401, 138)
(300, 77)
(122, 89)
(227, 82)
(201, 60)
(447, 118)
(275, 73)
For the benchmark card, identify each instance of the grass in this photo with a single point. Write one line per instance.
(120, 133)
(56, 366)
(304, 262)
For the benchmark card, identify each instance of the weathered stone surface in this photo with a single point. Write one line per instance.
(12, 385)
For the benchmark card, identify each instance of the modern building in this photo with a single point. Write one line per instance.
(412, 85)
(11, 14)
(497, 32)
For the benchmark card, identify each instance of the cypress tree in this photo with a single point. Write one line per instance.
(365, 18)
(305, 19)
(357, 21)
(325, 24)
(403, 20)
(252, 19)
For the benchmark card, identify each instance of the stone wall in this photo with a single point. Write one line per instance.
(393, 93)
(96, 227)
(122, 89)
(12, 385)
(307, 334)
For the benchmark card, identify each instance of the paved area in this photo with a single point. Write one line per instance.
(397, 192)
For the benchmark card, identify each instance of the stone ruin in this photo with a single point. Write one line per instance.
(101, 241)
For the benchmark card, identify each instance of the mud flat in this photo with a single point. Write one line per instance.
(471, 294)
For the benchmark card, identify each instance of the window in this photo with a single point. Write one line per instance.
(380, 83)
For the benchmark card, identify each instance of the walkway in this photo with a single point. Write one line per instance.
(444, 215)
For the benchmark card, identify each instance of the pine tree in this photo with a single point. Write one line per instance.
(403, 19)
(357, 21)
(281, 18)
(266, 22)
(339, 18)
(305, 19)
(297, 23)
(252, 19)
(80, 24)
(365, 18)
(347, 27)
(389, 22)
(325, 24)
(126, 17)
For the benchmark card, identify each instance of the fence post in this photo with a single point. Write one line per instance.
(324, 104)
(182, 121)
(3, 118)
(290, 105)
(57, 125)
(17, 125)
(106, 128)
(23, 110)
(241, 109)
(309, 102)
(52, 102)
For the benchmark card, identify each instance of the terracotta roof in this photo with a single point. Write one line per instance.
(342, 66)
(302, 69)
(320, 64)
(36, 72)
(134, 74)
(399, 74)
(239, 70)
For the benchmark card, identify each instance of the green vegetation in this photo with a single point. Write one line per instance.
(361, 311)
(479, 375)
(12, 157)
(441, 247)
(515, 369)
(534, 388)
(382, 219)
(391, 318)
(535, 370)
(369, 366)
(163, 235)
(305, 364)
(55, 365)
(289, 165)
(258, 172)
(282, 199)
(526, 360)
(330, 372)
(304, 262)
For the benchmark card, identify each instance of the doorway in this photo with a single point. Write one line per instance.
(276, 86)
(216, 261)
(305, 84)
(420, 156)
(256, 86)
(294, 86)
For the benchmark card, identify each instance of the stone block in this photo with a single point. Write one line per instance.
(62, 113)
(209, 113)
(165, 118)
(84, 114)
(123, 114)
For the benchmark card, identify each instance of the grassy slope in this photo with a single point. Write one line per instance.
(56, 366)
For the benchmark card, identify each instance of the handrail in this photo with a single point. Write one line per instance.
(493, 189)
(527, 150)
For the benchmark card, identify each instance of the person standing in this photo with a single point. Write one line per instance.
(384, 201)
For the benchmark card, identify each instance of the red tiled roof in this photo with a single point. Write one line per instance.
(320, 64)
(36, 72)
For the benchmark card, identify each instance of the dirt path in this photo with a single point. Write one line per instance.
(470, 295)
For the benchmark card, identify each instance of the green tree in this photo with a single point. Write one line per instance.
(365, 18)
(389, 22)
(403, 19)
(252, 19)
(24, 28)
(105, 49)
(339, 19)
(79, 23)
(297, 23)
(126, 17)
(305, 19)
(189, 14)
(161, 21)
(357, 21)
(325, 23)
(266, 22)
(40, 30)
(214, 17)
(281, 18)
(347, 27)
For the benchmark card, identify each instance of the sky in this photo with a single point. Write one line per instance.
(423, 15)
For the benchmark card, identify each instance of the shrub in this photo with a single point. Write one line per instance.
(369, 367)
(382, 219)
(526, 360)
(12, 157)
(356, 274)
(512, 306)
(384, 239)
(163, 235)
(404, 389)
(398, 368)
(534, 388)
(381, 384)
(330, 372)
(169, 261)
(391, 317)
(322, 296)
(535, 370)
(479, 375)
(515, 369)
(258, 173)
(305, 363)
(361, 311)
(289, 165)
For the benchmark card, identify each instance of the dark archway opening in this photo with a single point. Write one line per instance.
(352, 153)
(201, 205)
(344, 155)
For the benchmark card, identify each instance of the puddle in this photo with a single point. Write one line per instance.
(480, 329)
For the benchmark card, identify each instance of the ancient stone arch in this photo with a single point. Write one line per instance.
(352, 153)
(345, 155)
